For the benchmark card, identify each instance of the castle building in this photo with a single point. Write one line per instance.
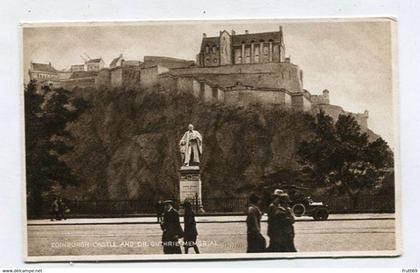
(94, 64)
(77, 67)
(117, 62)
(236, 69)
(42, 72)
(231, 48)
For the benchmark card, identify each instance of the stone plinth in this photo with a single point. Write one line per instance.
(190, 185)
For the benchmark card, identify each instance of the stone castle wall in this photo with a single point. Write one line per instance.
(149, 76)
(269, 84)
(334, 111)
(130, 76)
(70, 84)
(362, 119)
(265, 97)
(321, 99)
(301, 102)
(117, 77)
(103, 79)
(268, 75)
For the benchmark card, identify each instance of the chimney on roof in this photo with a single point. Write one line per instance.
(281, 34)
(204, 35)
(246, 31)
(233, 32)
(49, 64)
(287, 59)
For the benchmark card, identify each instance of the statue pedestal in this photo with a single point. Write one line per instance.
(190, 186)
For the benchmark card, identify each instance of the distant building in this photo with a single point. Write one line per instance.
(77, 67)
(42, 72)
(230, 48)
(116, 62)
(94, 64)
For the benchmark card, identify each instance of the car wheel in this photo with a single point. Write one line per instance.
(321, 214)
(298, 210)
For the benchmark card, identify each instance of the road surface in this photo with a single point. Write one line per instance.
(223, 234)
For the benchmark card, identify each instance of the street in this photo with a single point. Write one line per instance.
(223, 234)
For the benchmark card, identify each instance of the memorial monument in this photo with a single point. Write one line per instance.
(191, 148)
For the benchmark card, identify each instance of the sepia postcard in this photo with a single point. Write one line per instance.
(217, 139)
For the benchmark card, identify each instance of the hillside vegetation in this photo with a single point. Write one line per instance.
(126, 145)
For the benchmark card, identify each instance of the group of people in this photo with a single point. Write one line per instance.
(280, 228)
(172, 230)
(58, 209)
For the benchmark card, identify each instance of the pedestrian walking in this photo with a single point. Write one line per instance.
(62, 209)
(256, 241)
(159, 211)
(190, 228)
(171, 228)
(55, 210)
(280, 224)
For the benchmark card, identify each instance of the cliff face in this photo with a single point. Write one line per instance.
(127, 145)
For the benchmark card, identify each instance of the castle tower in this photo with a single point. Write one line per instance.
(326, 95)
(246, 48)
(282, 54)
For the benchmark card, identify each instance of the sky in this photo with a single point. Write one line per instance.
(352, 59)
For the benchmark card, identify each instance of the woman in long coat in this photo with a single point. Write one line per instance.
(190, 229)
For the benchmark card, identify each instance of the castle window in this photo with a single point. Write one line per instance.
(215, 60)
(214, 49)
(247, 55)
(207, 49)
(265, 50)
(257, 54)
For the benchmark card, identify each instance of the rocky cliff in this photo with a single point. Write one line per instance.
(126, 145)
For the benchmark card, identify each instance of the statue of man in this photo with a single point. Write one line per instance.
(191, 147)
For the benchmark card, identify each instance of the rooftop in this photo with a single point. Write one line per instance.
(97, 60)
(115, 60)
(238, 39)
(43, 67)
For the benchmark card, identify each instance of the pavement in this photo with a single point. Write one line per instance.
(216, 234)
(202, 219)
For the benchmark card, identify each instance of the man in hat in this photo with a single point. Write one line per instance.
(256, 242)
(172, 229)
(280, 224)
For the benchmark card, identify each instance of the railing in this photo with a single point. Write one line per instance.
(117, 208)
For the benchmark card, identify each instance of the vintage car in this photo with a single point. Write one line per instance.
(307, 207)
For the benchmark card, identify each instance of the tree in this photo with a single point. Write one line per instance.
(47, 114)
(340, 156)
(317, 153)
